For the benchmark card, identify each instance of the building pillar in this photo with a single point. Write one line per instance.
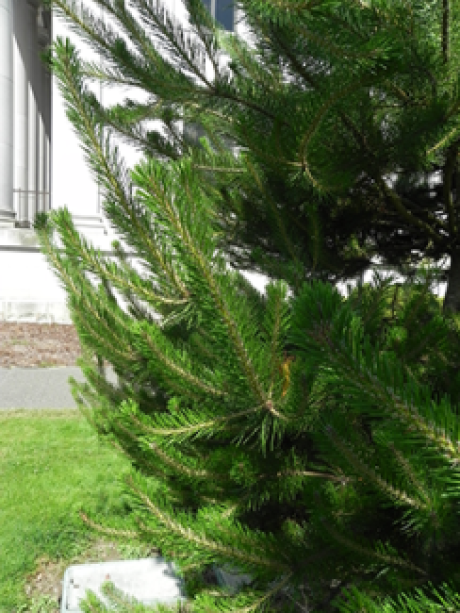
(47, 142)
(7, 214)
(21, 109)
(49, 117)
(47, 120)
(32, 110)
(43, 103)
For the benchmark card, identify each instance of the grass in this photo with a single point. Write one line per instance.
(51, 463)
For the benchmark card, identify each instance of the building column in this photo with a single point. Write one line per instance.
(32, 110)
(47, 143)
(49, 118)
(21, 106)
(7, 214)
(47, 113)
(47, 140)
(43, 103)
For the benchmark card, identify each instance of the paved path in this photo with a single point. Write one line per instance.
(40, 388)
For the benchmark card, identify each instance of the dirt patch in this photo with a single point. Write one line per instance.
(30, 345)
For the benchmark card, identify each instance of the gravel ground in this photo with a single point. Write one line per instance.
(32, 345)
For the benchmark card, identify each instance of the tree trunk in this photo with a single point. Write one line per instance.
(452, 299)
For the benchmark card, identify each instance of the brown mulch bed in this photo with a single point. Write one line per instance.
(30, 345)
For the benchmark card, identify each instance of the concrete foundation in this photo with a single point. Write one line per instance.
(30, 290)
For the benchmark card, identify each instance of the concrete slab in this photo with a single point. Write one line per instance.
(150, 581)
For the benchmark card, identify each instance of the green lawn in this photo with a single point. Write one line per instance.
(51, 463)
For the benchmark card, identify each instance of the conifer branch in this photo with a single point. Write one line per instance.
(93, 264)
(409, 472)
(368, 473)
(183, 390)
(361, 139)
(194, 428)
(327, 45)
(204, 26)
(73, 94)
(404, 213)
(364, 551)
(97, 323)
(445, 30)
(181, 468)
(398, 201)
(317, 120)
(157, 191)
(134, 135)
(178, 371)
(294, 6)
(443, 141)
(274, 210)
(222, 170)
(205, 350)
(200, 541)
(228, 95)
(105, 529)
(165, 27)
(105, 77)
(407, 414)
(80, 20)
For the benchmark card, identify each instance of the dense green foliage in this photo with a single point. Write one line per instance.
(310, 441)
(324, 100)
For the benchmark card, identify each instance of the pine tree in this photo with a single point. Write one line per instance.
(326, 102)
(310, 441)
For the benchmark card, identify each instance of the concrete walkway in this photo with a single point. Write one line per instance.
(40, 388)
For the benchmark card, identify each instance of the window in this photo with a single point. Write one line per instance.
(223, 12)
